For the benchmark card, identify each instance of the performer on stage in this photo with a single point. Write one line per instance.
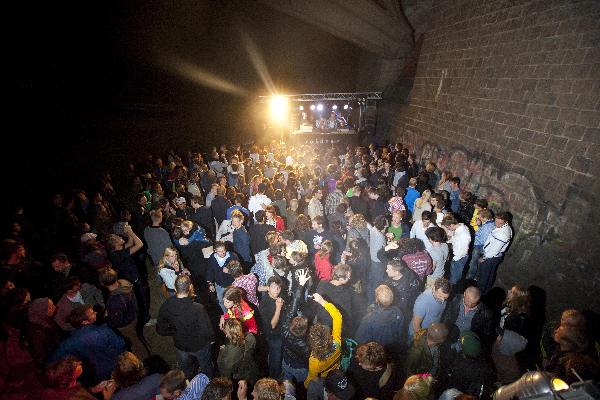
(332, 122)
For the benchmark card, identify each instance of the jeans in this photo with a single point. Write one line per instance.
(486, 274)
(190, 361)
(456, 269)
(220, 290)
(477, 252)
(275, 357)
(297, 374)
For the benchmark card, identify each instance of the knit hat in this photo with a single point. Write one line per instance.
(470, 344)
(338, 384)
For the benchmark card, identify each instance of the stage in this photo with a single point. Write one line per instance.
(307, 135)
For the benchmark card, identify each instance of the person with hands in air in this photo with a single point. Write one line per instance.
(325, 343)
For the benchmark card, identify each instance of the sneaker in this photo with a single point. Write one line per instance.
(150, 322)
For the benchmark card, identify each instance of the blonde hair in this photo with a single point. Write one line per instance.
(519, 301)
(419, 387)
(425, 196)
(187, 225)
(169, 251)
(384, 296)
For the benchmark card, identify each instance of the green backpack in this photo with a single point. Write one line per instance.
(348, 347)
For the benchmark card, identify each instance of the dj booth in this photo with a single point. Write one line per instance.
(307, 135)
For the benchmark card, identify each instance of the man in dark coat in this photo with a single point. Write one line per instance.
(467, 313)
(191, 328)
(219, 205)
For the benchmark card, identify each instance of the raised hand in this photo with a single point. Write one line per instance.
(318, 298)
(279, 302)
(303, 277)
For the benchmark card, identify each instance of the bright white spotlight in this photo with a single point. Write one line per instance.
(334, 107)
(320, 107)
(345, 106)
(278, 108)
(312, 107)
(301, 108)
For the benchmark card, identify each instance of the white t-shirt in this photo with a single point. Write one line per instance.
(255, 202)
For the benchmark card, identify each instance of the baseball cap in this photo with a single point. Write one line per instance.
(338, 384)
(470, 344)
(88, 236)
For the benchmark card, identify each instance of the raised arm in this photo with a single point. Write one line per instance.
(134, 243)
(336, 317)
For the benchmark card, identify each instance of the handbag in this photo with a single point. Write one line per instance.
(207, 251)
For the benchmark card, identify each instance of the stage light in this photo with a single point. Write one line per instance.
(320, 107)
(278, 108)
(530, 385)
(334, 107)
(312, 107)
(301, 108)
(345, 106)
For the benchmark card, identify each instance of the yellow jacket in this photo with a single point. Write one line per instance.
(320, 368)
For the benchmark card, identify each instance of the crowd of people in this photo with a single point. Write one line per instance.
(307, 272)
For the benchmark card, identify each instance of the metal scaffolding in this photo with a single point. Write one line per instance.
(358, 96)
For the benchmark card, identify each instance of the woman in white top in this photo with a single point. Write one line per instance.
(421, 204)
(169, 268)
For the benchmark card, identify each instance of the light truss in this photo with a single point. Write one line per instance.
(325, 97)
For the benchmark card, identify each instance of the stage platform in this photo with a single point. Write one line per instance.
(306, 135)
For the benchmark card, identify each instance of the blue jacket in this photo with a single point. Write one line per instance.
(483, 232)
(99, 346)
(411, 196)
(198, 235)
(382, 325)
(455, 200)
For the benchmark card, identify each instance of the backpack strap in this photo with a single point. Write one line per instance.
(383, 380)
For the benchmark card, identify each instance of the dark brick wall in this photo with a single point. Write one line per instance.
(507, 96)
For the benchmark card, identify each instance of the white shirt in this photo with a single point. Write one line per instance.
(255, 202)
(460, 241)
(418, 231)
(168, 277)
(497, 241)
(315, 207)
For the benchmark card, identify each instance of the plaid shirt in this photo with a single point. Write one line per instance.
(332, 201)
(248, 283)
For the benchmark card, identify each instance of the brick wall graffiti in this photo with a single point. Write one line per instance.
(517, 117)
(503, 190)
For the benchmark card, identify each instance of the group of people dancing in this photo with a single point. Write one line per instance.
(309, 272)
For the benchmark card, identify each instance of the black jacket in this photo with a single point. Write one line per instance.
(187, 322)
(295, 349)
(219, 207)
(482, 323)
(215, 274)
(203, 216)
(257, 237)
